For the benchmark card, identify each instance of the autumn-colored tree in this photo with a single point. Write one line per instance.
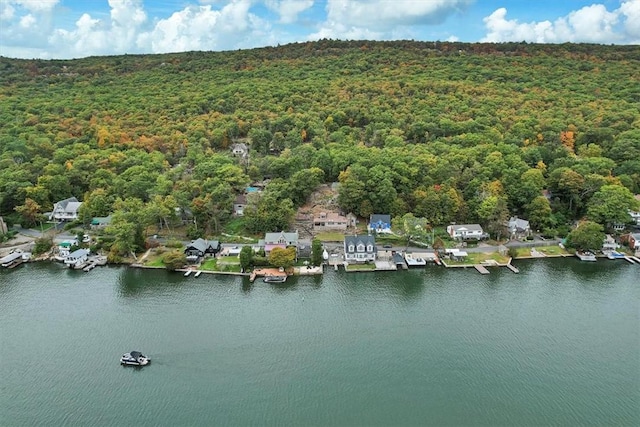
(30, 212)
(280, 257)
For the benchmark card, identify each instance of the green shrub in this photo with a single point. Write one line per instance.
(43, 245)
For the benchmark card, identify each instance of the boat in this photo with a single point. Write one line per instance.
(134, 358)
(275, 278)
(586, 256)
(615, 255)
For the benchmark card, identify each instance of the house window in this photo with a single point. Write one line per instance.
(351, 248)
(369, 248)
(360, 248)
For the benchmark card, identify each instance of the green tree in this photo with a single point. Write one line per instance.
(246, 257)
(588, 236)
(316, 252)
(285, 258)
(174, 260)
(539, 213)
(611, 205)
(493, 211)
(266, 213)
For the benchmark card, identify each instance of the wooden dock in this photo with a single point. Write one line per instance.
(481, 269)
(199, 272)
(513, 268)
(632, 259)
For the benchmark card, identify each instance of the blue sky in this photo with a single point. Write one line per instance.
(64, 29)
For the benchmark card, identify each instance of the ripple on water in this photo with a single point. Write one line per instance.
(556, 344)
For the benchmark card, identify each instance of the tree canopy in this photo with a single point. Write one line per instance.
(450, 133)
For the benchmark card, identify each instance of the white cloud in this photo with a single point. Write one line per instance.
(27, 21)
(204, 28)
(35, 5)
(355, 19)
(6, 12)
(630, 10)
(289, 9)
(590, 24)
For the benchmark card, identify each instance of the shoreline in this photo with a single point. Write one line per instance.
(28, 242)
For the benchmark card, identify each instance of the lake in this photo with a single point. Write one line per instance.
(557, 344)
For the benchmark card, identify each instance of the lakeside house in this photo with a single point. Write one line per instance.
(379, 223)
(466, 231)
(199, 248)
(65, 210)
(326, 221)
(359, 248)
(632, 239)
(239, 204)
(64, 248)
(609, 243)
(240, 149)
(77, 258)
(280, 240)
(518, 228)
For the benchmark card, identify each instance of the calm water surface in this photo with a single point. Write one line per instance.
(557, 344)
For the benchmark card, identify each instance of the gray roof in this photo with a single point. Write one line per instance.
(374, 218)
(78, 253)
(516, 223)
(199, 244)
(202, 245)
(270, 238)
(362, 239)
(470, 227)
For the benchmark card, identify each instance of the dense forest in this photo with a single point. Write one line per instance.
(445, 131)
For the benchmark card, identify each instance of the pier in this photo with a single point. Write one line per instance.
(512, 268)
(632, 259)
(481, 269)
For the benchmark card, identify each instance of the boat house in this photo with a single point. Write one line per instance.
(77, 258)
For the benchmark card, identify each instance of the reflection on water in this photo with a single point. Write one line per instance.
(556, 344)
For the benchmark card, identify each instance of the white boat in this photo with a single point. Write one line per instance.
(134, 358)
(586, 256)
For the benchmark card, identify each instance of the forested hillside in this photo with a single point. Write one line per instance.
(447, 131)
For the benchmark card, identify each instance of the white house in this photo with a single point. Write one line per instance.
(77, 258)
(359, 248)
(466, 231)
(330, 221)
(65, 210)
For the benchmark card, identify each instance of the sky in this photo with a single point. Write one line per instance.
(66, 29)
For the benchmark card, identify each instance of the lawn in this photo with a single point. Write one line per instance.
(155, 258)
(478, 258)
(330, 236)
(210, 264)
(552, 250)
(229, 260)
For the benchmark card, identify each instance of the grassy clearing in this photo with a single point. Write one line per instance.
(552, 250)
(210, 264)
(479, 258)
(228, 260)
(330, 236)
(523, 252)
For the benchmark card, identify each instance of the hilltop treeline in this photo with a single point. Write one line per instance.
(447, 131)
